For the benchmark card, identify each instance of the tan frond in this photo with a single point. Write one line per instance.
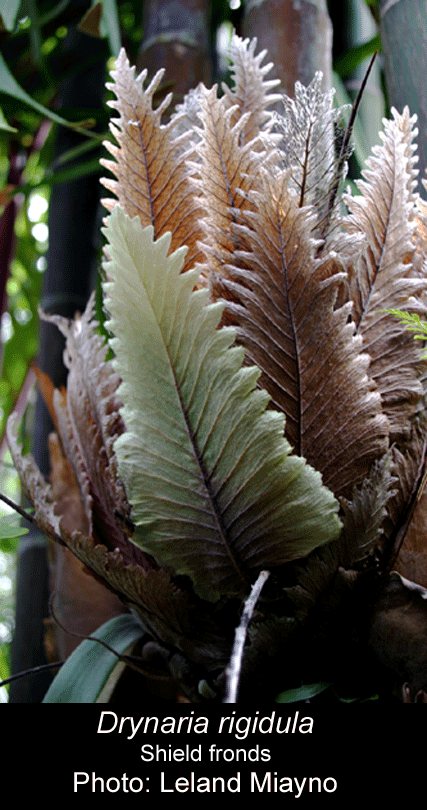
(185, 121)
(227, 173)
(251, 92)
(89, 422)
(385, 277)
(365, 514)
(148, 162)
(420, 257)
(288, 322)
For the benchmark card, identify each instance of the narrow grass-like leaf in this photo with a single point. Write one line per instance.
(4, 125)
(9, 14)
(354, 57)
(84, 675)
(305, 692)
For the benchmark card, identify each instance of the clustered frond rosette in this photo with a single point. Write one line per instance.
(261, 402)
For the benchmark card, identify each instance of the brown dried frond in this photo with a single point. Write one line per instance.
(251, 92)
(149, 164)
(288, 322)
(226, 173)
(385, 277)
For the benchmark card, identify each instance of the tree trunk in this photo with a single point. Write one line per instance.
(298, 37)
(403, 29)
(177, 38)
(67, 283)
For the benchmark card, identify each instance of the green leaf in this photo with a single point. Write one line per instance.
(102, 20)
(85, 673)
(73, 172)
(4, 663)
(358, 700)
(54, 12)
(412, 322)
(8, 14)
(110, 21)
(10, 86)
(304, 692)
(353, 57)
(4, 125)
(9, 530)
(214, 488)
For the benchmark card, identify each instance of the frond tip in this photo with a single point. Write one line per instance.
(251, 94)
(308, 125)
(148, 161)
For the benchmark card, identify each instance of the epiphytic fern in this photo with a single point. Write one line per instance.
(261, 411)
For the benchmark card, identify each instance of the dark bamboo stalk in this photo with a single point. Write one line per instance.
(67, 283)
(176, 37)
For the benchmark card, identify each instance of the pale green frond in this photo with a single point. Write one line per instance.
(215, 490)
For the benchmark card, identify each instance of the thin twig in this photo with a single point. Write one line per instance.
(18, 509)
(235, 665)
(346, 139)
(31, 671)
(131, 661)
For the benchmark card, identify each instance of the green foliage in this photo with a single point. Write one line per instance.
(4, 666)
(412, 322)
(302, 692)
(72, 684)
(197, 429)
(10, 86)
(20, 324)
(10, 531)
(33, 64)
(351, 59)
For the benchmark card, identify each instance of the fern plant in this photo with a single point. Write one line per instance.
(412, 322)
(261, 411)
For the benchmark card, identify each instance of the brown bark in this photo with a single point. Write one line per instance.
(297, 35)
